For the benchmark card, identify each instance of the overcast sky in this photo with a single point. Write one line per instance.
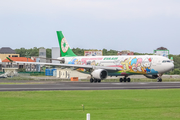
(135, 25)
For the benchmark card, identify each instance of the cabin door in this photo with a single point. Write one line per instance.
(154, 63)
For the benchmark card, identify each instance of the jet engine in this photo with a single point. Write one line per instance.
(99, 74)
(151, 76)
(62, 60)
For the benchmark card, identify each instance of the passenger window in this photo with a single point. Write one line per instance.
(164, 61)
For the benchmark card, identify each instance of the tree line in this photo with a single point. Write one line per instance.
(80, 52)
(32, 52)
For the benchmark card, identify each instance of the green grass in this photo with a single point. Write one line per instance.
(161, 104)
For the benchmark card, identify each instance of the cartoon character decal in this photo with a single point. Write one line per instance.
(133, 64)
(125, 64)
(88, 63)
(72, 61)
(138, 65)
(129, 65)
(78, 62)
(147, 64)
(93, 63)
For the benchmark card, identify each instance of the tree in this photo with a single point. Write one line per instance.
(104, 51)
(27, 55)
(34, 51)
(21, 52)
(48, 53)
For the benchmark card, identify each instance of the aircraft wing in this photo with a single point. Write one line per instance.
(74, 66)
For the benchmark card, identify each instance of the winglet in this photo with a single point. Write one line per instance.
(9, 59)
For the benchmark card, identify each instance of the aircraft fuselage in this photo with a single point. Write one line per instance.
(131, 65)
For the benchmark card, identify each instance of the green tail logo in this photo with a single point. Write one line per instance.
(64, 46)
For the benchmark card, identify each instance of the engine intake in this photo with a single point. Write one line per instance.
(99, 74)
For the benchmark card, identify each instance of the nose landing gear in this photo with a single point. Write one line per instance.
(159, 79)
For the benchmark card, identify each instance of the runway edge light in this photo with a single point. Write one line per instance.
(88, 116)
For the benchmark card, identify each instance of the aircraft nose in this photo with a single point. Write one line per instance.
(168, 67)
(171, 66)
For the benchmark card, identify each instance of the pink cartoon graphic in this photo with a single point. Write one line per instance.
(138, 64)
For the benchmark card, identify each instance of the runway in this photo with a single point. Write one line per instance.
(89, 86)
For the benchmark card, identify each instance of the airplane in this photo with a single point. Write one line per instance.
(99, 67)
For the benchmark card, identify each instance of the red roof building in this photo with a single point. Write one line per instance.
(21, 59)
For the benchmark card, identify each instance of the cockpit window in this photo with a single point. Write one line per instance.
(164, 61)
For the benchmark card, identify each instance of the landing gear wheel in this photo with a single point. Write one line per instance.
(99, 81)
(91, 80)
(95, 80)
(129, 80)
(159, 80)
(120, 80)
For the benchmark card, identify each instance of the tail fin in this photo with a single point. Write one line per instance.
(64, 46)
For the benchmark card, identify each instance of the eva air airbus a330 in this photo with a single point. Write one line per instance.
(99, 67)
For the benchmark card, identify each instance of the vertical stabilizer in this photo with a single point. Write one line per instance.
(64, 46)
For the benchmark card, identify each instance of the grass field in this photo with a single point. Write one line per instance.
(161, 104)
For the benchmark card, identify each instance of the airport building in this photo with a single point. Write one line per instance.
(8, 64)
(68, 73)
(93, 53)
(55, 53)
(125, 52)
(7, 52)
(162, 51)
(42, 54)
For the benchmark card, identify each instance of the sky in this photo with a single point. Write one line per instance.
(136, 25)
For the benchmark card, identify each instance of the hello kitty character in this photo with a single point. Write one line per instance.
(147, 64)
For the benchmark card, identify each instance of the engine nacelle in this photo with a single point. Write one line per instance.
(151, 76)
(99, 74)
(62, 60)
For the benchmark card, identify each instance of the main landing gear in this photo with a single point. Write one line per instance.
(95, 80)
(125, 79)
